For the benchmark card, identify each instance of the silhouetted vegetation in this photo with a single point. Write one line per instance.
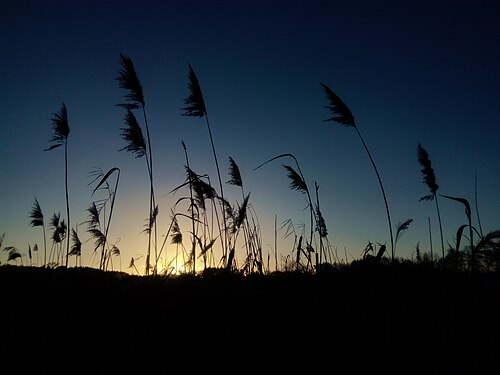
(388, 317)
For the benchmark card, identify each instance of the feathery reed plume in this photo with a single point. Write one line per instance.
(195, 106)
(296, 181)
(234, 173)
(342, 115)
(132, 265)
(13, 253)
(176, 236)
(195, 103)
(36, 216)
(132, 134)
(76, 247)
(60, 127)
(128, 80)
(320, 226)
(429, 179)
(400, 228)
(241, 215)
(134, 99)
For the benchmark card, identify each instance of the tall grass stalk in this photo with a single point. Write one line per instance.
(193, 234)
(342, 115)
(134, 99)
(195, 106)
(429, 178)
(59, 138)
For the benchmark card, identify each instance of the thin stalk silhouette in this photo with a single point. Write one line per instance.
(60, 137)
(429, 178)
(192, 204)
(111, 196)
(342, 115)
(196, 108)
(134, 99)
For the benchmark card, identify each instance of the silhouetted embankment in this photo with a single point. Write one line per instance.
(393, 319)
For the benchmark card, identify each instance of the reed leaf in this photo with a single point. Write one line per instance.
(60, 127)
(194, 102)
(381, 251)
(132, 134)
(105, 177)
(36, 215)
(491, 241)
(206, 247)
(458, 239)
(465, 203)
(339, 110)
(427, 173)
(234, 173)
(128, 80)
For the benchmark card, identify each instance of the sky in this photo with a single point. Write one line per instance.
(409, 71)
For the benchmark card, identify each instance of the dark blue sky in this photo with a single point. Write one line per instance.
(410, 71)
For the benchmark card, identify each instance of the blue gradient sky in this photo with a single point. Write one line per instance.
(409, 72)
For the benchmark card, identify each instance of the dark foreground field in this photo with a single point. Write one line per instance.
(400, 320)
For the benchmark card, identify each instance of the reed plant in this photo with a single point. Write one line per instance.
(36, 216)
(61, 130)
(59, 234)
(195, 107)
(429, 178)
(342, 115)
(132, 134)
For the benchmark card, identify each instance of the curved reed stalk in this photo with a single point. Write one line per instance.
(342, 115)
(297, 182)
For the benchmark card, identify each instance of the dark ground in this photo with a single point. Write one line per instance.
(400, 319)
